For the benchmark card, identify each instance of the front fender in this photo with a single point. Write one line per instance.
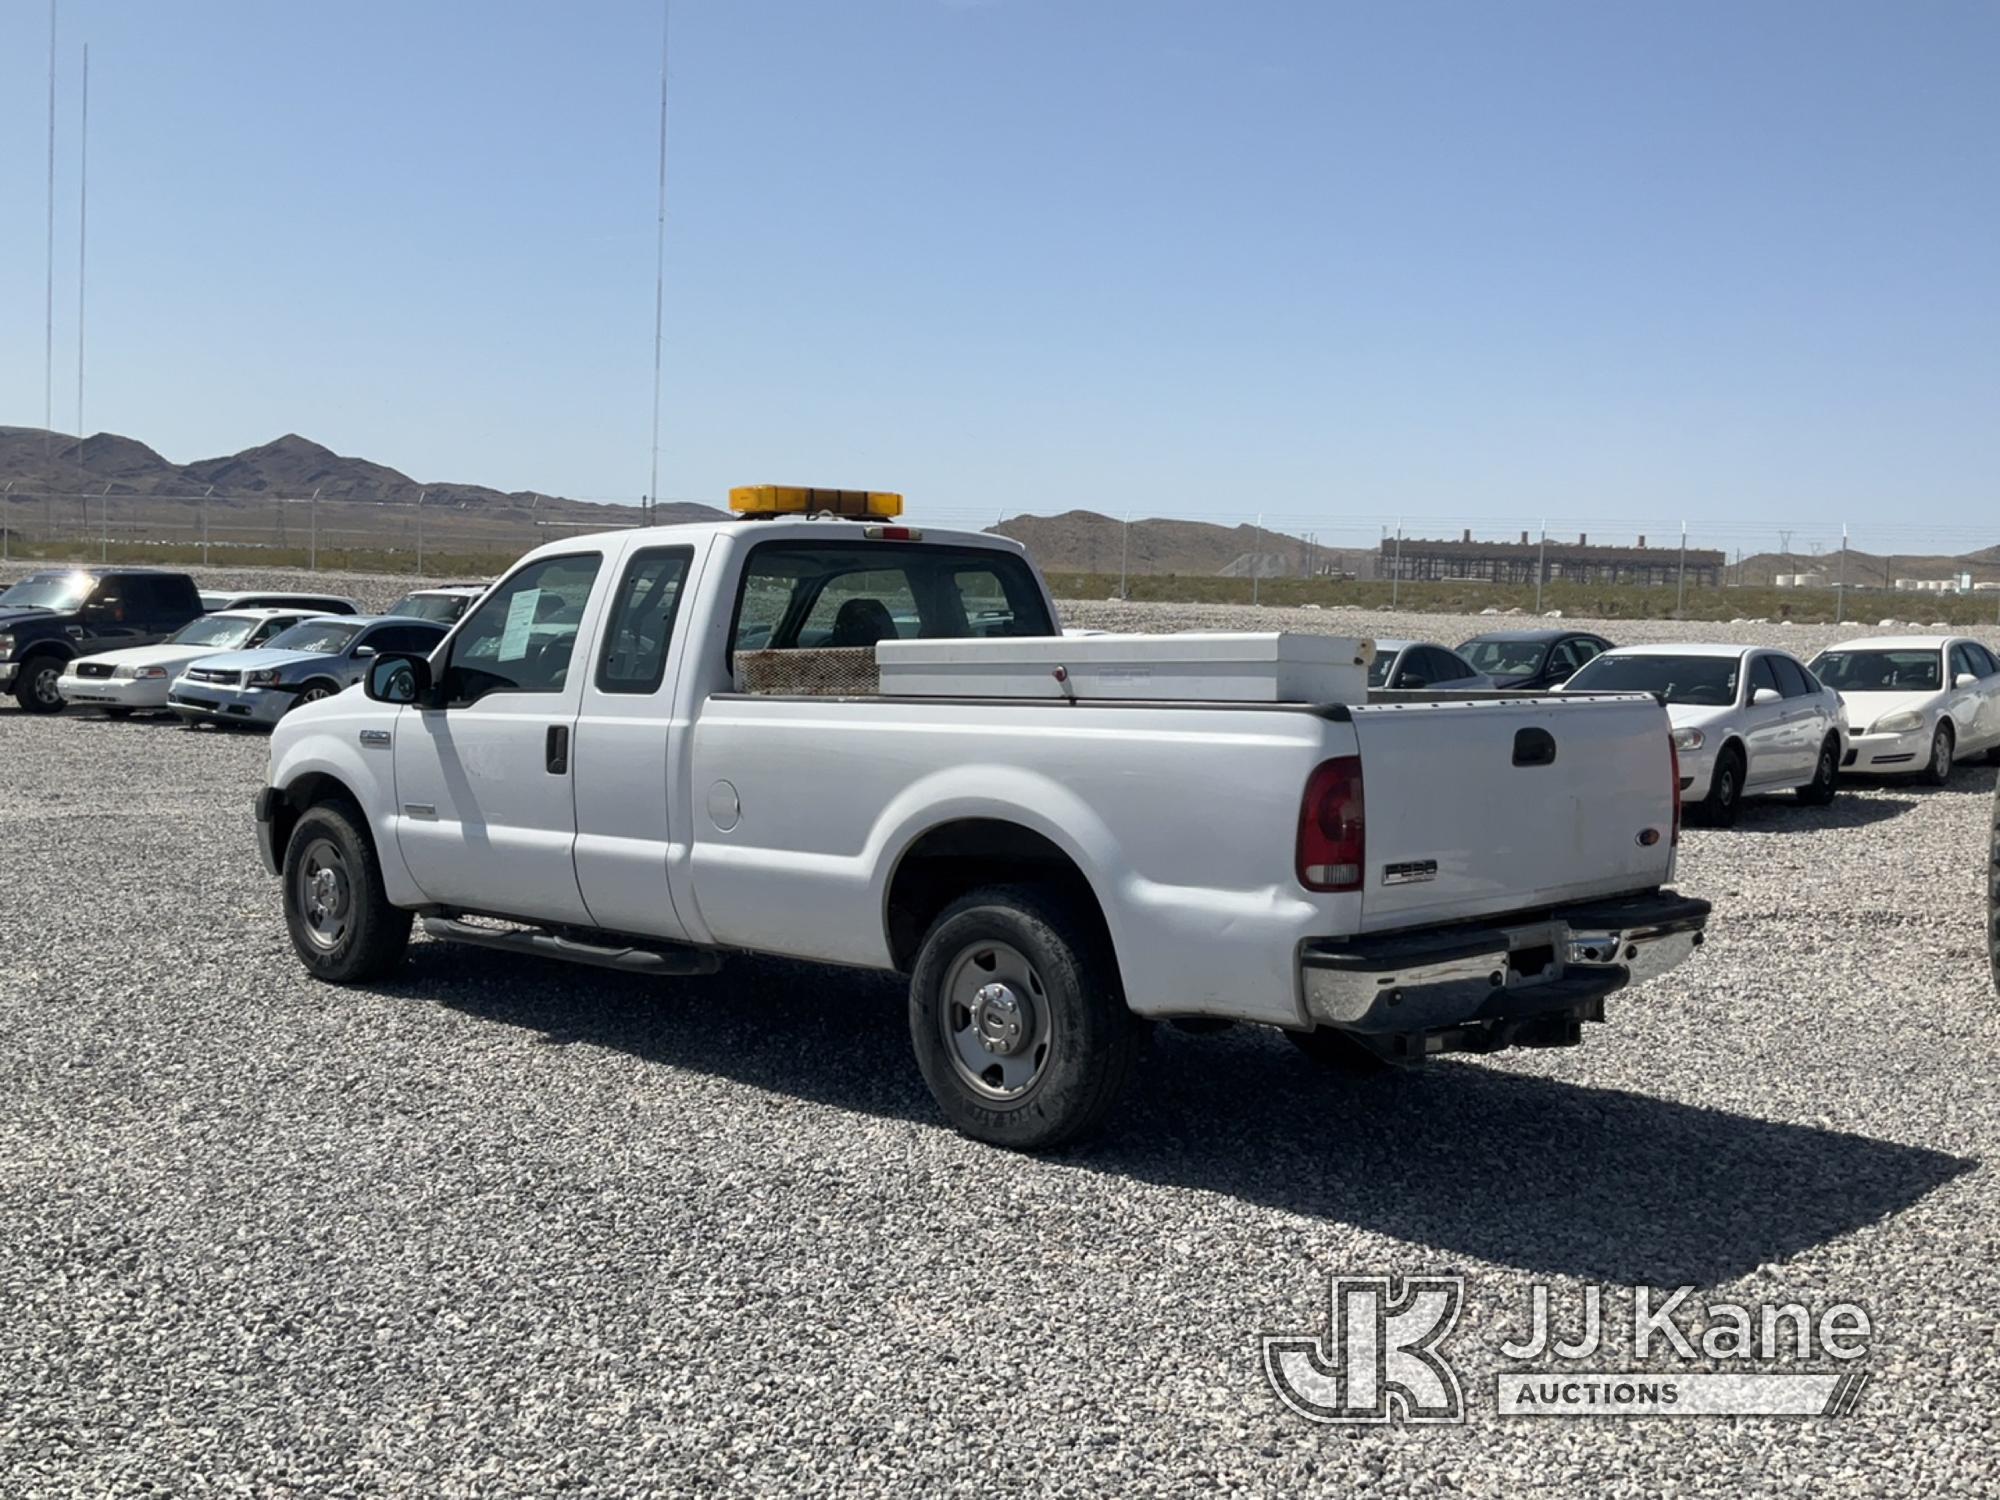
(329, 747)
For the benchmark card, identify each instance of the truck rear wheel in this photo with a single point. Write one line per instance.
(1018, 1020)
(339, 917)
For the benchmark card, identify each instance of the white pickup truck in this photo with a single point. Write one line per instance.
(576, 772)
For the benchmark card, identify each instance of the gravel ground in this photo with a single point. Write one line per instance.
(500, 1228)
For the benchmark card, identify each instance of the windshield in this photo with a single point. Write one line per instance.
(57, 591)
(325, 637)
(214, 630)
(1914, 671)
(1505, 658)
(1708, 681)
(443, 608)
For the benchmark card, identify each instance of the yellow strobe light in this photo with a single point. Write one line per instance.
(797, 500)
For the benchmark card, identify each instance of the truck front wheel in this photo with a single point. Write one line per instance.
(341, 923)
(38, 684)
(1018, 1020)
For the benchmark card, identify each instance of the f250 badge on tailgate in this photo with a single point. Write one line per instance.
(1410, 872)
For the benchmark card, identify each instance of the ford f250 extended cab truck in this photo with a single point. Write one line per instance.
(576, 772)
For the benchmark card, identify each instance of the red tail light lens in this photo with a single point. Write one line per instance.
(1333, 834)
(1674, 761)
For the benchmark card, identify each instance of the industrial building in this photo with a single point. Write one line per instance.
(1421, 560)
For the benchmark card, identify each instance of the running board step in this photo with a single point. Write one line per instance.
(663, 962)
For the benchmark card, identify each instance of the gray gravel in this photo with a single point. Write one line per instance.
(508, 1229)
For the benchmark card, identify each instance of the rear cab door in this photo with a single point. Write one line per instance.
(631, 730)
(1766, 732)
(486, 815)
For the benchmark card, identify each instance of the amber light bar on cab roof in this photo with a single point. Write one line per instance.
(753, 501)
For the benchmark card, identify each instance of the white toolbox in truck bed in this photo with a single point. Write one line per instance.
(1218, 666)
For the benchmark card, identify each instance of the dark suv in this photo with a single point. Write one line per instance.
(49, 617)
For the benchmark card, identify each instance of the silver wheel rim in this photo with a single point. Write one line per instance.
(324, 891)
(1728, 776)
(1825, 768)
(48, 685)
(1941, 756)
(313, 695)
(995, 1022)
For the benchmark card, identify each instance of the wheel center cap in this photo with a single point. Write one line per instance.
(325, 891)
(1000, 1016)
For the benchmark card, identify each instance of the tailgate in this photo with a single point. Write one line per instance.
(1495, 805)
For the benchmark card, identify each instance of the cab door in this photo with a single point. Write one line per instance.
(486, 813)
(629, 736)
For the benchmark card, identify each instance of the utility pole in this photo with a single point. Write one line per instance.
(1840, 589)
(1256, 570)
(82, 230)
(1542, 565)
(204, 523)
(1396, 569)
(1124, 553)
(103, 525)
(6, 525)
(1680, 595)
(49, 300)
(312, 542)
(420, 531)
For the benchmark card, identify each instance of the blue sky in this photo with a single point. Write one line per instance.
(1728, 262)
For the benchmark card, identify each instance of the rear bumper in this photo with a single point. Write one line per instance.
(1422, 986)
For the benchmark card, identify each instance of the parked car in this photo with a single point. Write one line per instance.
(1746, 719)
(50, 618)
(1407, 666)
(313, 660)
(1531, 660)
(1384, 885)
(316, 604)
(1917, 704)
(138, 677)
(444, 604)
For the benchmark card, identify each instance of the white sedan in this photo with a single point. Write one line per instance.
(1745, 719)
(138, 677)
(1917, 703)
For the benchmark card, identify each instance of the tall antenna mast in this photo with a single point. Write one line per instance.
(659, 268)
(49, 337)
(82, 229)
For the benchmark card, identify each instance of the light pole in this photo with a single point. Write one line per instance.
(420, 531)
(1681, 590)
(1541, 565)
(1396, 569)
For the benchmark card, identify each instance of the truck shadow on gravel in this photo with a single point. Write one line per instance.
(1467, 1160)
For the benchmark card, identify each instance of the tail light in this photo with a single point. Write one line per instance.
(1333, 834)
(1674, 764)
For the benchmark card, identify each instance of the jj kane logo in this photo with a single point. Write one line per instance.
(1383, 1356)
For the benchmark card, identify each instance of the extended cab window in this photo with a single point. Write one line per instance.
(803, 594)
(521, 637)
(642, 620)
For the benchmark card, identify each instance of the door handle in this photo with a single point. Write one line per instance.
(556, 749)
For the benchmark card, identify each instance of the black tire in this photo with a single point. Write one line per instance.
(1825, 784)
(1337, 1052)
(35, 684)
(1725, 789)
(1054, 982)
(341, 923)
(1993, 756)
(1944, 750)
(312, 692)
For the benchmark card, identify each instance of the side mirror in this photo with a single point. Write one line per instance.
(398, 678)
(1765, 695)
(362, 653)
(1412, 680)
(1965, 679)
